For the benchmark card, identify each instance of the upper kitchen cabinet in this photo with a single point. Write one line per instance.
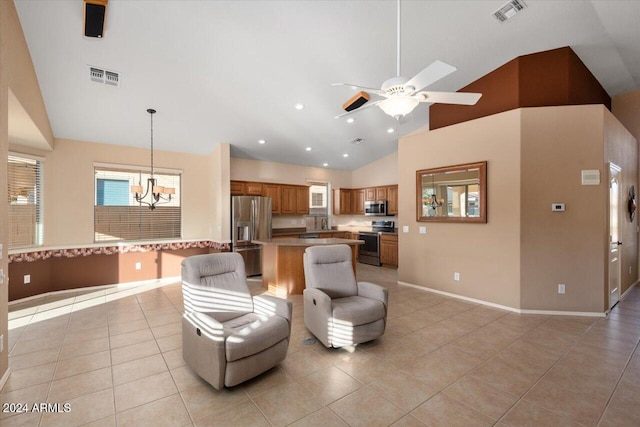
(392, 198)
(273, 191)
(302, 200)
(358, 202)
(369, 194)
(288, 199)
(237, 188)
(342, 201)
(381, 193)
(253, 188)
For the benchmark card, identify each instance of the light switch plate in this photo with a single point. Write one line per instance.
(423, 229)
(1, 276)
(405, 228)
(557, 207)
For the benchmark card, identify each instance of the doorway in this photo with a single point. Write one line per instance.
(614, 235)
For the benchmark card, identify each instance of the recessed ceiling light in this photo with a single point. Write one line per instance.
(325, 164)
(262, 141)
(351, 120)
(299, 106)
(345, 155)
(391, 130)
(308, 148)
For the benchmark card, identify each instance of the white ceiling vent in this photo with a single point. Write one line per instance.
(357, 141)
(509, 10)
(100, 75)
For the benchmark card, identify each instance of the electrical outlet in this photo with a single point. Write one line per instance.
(405, 228)
(561, 288)
(456, 277)
(1, 276)
(27, 279)
(423, 229)
(1, 343)
(294, 222)
(0, 250)
(138, 265)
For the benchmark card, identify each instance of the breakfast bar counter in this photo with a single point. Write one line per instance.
(282, 262)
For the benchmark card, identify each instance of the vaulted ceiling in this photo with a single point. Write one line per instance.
(232, 71)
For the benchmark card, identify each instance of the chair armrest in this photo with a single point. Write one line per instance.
(209, 326)
(318, 314)
(314, 297)
(373, 291)
(270, 306)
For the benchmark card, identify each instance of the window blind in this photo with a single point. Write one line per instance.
(24, 178)
(117, 215)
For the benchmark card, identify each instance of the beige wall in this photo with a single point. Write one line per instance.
(69, 187)
(383, 171)
(621, 148)
(486, 255)
(562, 247)
(535, 157)
(282, 173)
(18, 75)
(626, 108)
(220, 203)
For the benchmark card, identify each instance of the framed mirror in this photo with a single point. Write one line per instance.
(452, 194)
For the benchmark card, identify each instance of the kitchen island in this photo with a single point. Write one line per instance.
(282, 262)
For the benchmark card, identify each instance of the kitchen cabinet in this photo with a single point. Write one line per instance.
(237, 188)
(369, 194)
(302, 200)
(381, 193)
(253, 189)
(273, 191)
(288, 199)
(389, 250)
(358, 202)
(392, 197)
(344, 207)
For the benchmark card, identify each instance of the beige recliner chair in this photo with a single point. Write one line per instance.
(228, 336)
(338, 310)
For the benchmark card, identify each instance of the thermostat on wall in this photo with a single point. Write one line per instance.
(557, 207)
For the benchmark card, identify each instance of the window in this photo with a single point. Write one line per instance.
(117, 215)
(24, 177)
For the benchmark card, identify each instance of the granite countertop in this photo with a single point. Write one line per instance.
(307, 242)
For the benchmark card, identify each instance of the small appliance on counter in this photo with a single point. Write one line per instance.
(369, 252)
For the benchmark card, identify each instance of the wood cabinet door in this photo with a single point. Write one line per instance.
(389, 253)
(273, 191)
(288, 200)
(253, 188)
(302, 200)
(358, 202)
(381, 193)
(345, 201)
(370, 194)
(392, 197)
(237, 188)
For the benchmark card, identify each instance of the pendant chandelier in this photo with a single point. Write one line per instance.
(154, 194)
(432, 201)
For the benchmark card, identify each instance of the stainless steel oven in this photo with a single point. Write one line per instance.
(369, 252)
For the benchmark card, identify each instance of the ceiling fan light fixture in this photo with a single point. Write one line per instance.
(398, 107)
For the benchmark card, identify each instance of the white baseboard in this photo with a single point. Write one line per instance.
(159, 282)
(5, 377)
(627, 291)
(505, 307)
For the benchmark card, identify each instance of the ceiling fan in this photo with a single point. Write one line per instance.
(401, 95)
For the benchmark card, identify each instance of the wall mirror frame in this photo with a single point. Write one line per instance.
(452, 194)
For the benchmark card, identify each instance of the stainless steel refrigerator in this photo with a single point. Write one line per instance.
(250, 220)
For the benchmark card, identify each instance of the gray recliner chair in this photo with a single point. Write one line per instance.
(338, 310)
(228, 336)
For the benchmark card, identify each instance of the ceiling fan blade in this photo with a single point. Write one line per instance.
(431, 74)
(364, 107)
(463, 98)
(367, 89)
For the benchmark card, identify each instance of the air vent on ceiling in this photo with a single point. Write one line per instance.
(509, 10)
(99, 75)
(357, 141)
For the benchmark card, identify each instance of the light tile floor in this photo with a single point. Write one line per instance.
(115, 357)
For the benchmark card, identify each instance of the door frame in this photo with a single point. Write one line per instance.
(612, 167)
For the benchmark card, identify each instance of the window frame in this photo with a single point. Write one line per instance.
(40, 205)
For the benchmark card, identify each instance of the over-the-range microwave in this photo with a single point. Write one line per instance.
(375, 208)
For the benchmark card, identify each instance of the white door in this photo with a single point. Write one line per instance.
(614, 237)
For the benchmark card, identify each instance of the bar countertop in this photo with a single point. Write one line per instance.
(307, 242)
